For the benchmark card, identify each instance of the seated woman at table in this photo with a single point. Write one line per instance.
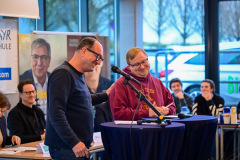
(4, 138)
(208, 103)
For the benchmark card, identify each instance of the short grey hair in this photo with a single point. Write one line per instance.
(41, 42)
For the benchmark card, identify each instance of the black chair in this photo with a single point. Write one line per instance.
(103, 114)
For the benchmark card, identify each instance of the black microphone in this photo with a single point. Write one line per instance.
(182, 115)
(115, 69)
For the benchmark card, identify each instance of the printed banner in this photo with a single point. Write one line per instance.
(39, 55)
(9, 56)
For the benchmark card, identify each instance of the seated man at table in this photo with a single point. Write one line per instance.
(26, 120)
(123, 100)
(208, 103)
(181, 98)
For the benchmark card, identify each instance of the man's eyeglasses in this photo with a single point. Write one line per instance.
(98, 55)
(30, 92)
(43, 58)
(137, 65)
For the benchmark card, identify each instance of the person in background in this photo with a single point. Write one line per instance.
(208, 103)
(95, 82)
(123, 100)
(4, 138)
(25, 119)
(40, 62)
(102, 112)
(98, 84)
(69, 131)
(180, 98)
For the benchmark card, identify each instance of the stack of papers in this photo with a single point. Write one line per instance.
(13, 150)
(125, 122)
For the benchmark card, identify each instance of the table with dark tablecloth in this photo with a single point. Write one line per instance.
(146, 141)
(200, 131)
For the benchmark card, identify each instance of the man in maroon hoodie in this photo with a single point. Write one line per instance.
(123, 100)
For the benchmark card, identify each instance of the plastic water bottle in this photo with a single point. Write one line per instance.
(185, 110)
(226, 115)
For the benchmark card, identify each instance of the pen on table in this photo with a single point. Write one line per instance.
(169, 104)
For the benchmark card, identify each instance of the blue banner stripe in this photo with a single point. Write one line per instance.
(5, 74)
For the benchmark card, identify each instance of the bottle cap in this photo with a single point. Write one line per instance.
(226, 110)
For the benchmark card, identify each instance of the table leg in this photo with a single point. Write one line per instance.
(234, 145)
(217, 145)
(221, 142)
(238, 153)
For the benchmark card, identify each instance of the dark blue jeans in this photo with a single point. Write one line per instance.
(64, 154)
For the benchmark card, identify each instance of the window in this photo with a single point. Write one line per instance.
(62, 16)
(229, 34)
(101, 20)
(175, 30)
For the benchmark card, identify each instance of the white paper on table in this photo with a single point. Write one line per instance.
(8, 151)
(134, 122)
(46, 155)
(171, 116)
(125, 122)
(19, 149)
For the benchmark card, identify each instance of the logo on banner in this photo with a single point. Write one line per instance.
(5, 74)
(5, 36)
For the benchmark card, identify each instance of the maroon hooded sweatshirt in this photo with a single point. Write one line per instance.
(123, 100)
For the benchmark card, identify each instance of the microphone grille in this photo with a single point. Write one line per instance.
(114, 69)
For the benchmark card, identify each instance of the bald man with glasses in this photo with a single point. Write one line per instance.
(26, 120)
(69, 131)
(123, 100)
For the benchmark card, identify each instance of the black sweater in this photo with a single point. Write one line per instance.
(186, 101)
(69, 110)
(27, 123)
(211, 107)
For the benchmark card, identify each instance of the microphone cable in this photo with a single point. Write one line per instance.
(131, 135)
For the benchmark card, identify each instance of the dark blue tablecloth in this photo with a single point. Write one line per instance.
(150, 141)
(200, 131)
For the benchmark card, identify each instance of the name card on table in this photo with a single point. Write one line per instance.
(97, 138)
(42, 148)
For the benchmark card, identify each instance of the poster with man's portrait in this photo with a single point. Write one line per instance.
(39, 55)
